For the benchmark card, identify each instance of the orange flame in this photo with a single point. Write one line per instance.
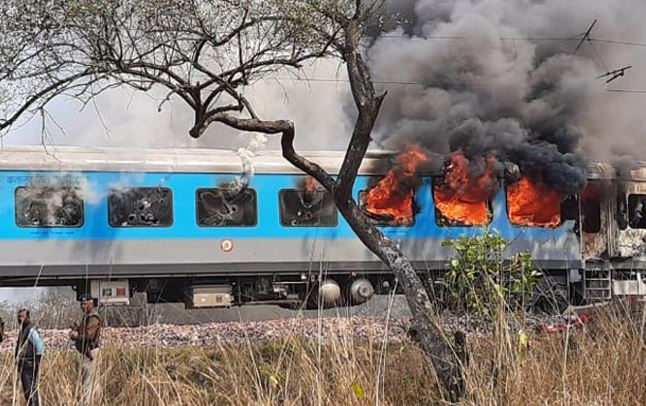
(310, 184)
(392, 199)
(463, 199)
(533, 204)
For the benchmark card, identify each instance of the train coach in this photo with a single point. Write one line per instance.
(188, 226)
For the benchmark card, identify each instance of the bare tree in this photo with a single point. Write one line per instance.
(205, 52)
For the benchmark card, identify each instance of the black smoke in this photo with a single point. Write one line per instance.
(480, 82)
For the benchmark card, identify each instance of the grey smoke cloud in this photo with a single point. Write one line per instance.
(529, 101)
(531, 97)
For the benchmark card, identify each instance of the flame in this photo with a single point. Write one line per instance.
(533, 204)
(391, 198)
(461, 198)
(310, 184)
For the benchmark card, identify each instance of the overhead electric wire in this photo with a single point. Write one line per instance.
(596, 55)
(414, 83)
(510, 38)
(637, 91)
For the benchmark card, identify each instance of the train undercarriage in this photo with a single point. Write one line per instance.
(557, 289)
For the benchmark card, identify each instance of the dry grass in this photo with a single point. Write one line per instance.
(601, 364)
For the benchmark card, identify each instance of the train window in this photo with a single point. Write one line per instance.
(622, 211)
(570, 208)
(222, 207)
(393, 212)
(453, 211)
(591, 216)
(140, 207)
(637, 211)
(591, 207)
(533, 205)
(301, 208)
(49, 206)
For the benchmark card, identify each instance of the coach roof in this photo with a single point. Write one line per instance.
(200, 160)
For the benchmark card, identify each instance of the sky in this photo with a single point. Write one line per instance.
(127, 118)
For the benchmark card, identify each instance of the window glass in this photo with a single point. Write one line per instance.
(140, 207)
(221, 207)
(49, 206)
(302, 208)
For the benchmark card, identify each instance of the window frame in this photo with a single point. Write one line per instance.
(621, 219)
(508, 216)
(629, 211)
(281, 192)
(197, 211)
(439, 215)
(15, 209)
(596, 204)
(172, 207)
(374, 222)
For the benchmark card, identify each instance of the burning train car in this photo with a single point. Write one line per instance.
(170, 223)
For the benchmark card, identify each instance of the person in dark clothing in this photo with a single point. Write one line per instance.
(86, 337)
(29, 352)
(1, 330)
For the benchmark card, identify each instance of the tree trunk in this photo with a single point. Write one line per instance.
(424, 330)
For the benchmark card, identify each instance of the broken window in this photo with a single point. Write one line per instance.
(533, 204)
(622, 211)
(570, 208)
(591, 207)
(454, 209)
(49, 206)
(394, 213)
(303, 208)
(141, 207)
(223, 207)
(637, 211)
(591, 216)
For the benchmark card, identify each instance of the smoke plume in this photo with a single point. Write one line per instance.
(502, 77)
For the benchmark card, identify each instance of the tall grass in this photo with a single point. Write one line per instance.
(603, 363)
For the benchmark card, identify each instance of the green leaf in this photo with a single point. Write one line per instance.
(358, 391)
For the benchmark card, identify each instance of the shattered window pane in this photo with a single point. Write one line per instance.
(591, 215)
(621, 215)
(221, 207)
(141, 207)
(400, 215)
(455, 210)
(637, 211)
(570, 208)
(49, 206)
(301, 208)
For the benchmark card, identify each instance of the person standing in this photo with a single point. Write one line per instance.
(86, 337)
(29, 352)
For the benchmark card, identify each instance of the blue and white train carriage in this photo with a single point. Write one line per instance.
(165, 222)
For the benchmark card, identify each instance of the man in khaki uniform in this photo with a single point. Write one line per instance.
(86, 337)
